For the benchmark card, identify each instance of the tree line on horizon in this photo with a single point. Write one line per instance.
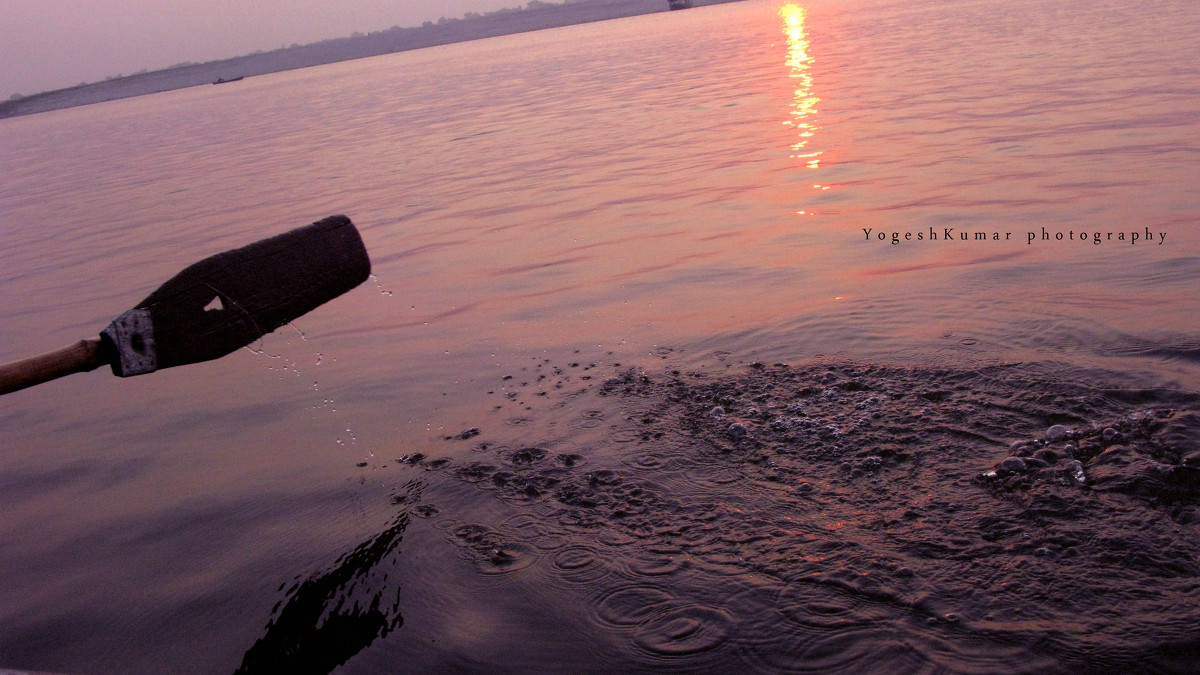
(531, 5)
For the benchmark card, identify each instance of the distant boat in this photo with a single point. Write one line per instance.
(221, 80)
(679, 4)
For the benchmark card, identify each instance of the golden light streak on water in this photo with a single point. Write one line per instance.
(804, 103)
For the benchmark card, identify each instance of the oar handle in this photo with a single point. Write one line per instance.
(80, 357)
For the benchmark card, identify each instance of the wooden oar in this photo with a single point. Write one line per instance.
(215, 306)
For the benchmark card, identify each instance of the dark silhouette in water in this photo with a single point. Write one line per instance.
(320, 627)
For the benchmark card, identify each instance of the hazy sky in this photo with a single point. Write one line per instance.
(49, 44)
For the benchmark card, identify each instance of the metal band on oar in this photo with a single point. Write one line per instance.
(215, 306)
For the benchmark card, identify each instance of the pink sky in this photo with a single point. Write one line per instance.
(50, 44)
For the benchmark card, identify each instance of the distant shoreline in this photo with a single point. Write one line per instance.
(472, 27)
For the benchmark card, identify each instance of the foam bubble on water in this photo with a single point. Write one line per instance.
(1056, 433)
(1075, 471)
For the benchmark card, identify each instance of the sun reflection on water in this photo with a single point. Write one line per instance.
(804, 103)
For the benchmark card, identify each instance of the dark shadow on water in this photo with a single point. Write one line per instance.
(321, 625)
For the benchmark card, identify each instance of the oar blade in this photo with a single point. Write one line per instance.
(229, 300)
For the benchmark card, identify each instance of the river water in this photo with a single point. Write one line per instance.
(695, 341)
